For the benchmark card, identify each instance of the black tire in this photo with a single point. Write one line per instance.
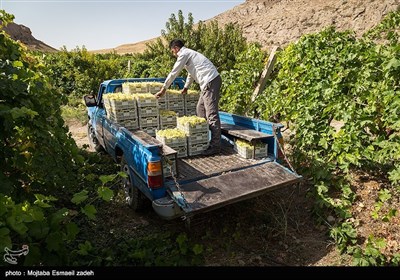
(93, 142)
(133, 196)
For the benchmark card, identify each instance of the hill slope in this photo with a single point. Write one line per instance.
(279, 22)
(24, 35)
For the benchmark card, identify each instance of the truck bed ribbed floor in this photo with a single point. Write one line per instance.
(195, 167)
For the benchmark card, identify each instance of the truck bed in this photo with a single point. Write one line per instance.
(210, 182)
(198, 167)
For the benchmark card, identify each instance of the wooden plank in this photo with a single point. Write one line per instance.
(167, 150)
(243, 132)
(215, 192)
(265, 74)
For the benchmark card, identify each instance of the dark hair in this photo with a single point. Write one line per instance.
(176, 43)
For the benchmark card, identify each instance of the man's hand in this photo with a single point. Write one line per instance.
(160, 93)
(184, 91)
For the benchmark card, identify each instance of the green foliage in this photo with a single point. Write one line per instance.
(37, 154)
(50, 230)
(47, 231)
(239, 82)
(166, 249)
(344, 235)
(79, 72)
(388, 29)
(221, 45)
(371, 254)
(341, 97)
(74, 110)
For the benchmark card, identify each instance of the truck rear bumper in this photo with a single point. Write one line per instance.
(166, 208)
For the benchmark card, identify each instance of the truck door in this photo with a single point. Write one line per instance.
(109, 135)
(99, 116)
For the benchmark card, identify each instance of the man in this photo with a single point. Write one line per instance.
(201, 70)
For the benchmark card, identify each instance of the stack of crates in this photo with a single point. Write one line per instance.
(191, 99)
(175, 139)
(147, 112)
(175, 101)
(196, 130)
(133, 88)
(167, 119)
(122, 109)
(249, 150)
(153, 88)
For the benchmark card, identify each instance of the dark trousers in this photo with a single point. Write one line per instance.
(207, 108)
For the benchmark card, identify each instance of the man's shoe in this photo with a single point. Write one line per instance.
(211, 151)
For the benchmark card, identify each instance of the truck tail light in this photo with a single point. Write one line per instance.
(154, 175)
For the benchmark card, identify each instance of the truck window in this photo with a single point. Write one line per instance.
(102, 90)
(118, 88)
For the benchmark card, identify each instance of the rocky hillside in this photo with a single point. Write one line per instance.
(24, 35)
(279, 22)
(138, 47)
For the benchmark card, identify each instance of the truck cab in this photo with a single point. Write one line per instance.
(200, 183)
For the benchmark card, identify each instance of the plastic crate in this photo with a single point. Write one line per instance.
(167, 126)
(162, 99)
(133, 88)
(190, 104)
(167, 119)
(161, 105)
(148, 111)
(150, 130)
(174, 95)
(245, 152)
(197, 149)
(171, 142)
(190, 111)
(154, 87)
(130, 124)
(179, 112)
(119, 104)
(198, 128)
(253, 152)
(122, 116)
(261, 152)
(192, 96)
(148, 121)
(145, 102)
(181, 151)
(200, 137)
(175, 104)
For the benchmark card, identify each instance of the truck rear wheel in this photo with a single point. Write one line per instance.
(93, 142)
(133, 196)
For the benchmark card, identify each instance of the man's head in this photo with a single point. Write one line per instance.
(175, 45)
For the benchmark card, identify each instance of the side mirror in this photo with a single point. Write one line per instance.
(90, 100)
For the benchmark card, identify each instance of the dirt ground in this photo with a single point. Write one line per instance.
(276, 229)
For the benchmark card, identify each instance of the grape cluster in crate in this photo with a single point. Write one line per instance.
(251, 150)
(189, 138)
(196, 130)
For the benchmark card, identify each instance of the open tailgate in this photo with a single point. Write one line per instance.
(214, 192)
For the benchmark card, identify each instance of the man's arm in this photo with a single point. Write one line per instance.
(189, 81)
(178, 66)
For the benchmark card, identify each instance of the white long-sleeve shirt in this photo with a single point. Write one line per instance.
(199, 67)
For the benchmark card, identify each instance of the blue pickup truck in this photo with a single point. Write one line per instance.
(201, 183)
